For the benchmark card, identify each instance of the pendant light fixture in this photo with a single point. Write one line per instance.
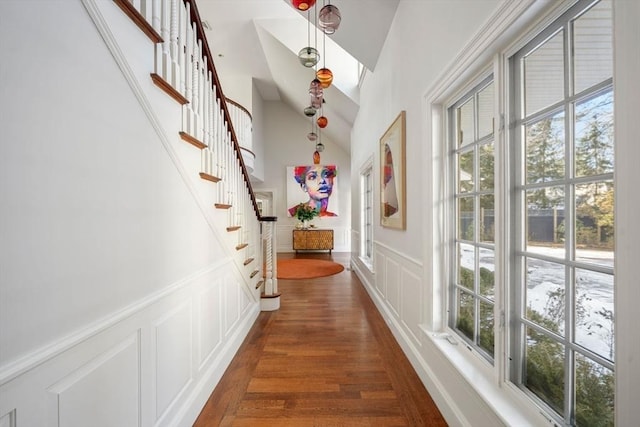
(329, 18)
(324, 74)
(322, 122)
(303, 4)
(315, 88)
(309, 56)
(310, 111)
(316, 102)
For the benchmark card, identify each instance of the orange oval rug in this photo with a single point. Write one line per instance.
(307, 268)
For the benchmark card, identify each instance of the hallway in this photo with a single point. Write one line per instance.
(326, 358)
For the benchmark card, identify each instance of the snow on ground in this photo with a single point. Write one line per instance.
(594, 328)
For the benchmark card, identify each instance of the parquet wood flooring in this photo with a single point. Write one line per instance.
(326, 358)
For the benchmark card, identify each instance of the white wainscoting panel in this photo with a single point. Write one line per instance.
(392, 279)
(153, 363)
(102, 393)
(173, 356)
(232, 298)
(8, 419)
(381, 272)
(411, 303)
(209, 322)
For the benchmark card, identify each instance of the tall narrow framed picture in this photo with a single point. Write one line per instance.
(393, 202)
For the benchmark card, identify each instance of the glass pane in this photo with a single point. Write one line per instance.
(594, 136)
(486, 167)
(594, 312)
(545, 149)
(485, 111)
(466, 314)
(544, 369)
(487, 269)
(594, 393)
(486, 327)
(466, 218)
(592, 46)
(487, 218)
(465, 123)
(545, 221)
(544, 75)
(466, 265)
(545, 294)
(465, 171)
(594, 222)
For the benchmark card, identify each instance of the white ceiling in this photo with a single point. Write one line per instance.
(261, 38)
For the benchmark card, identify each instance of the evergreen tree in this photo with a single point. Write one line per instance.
(545, 159)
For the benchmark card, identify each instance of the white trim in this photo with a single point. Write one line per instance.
(192, 404)
(47, 352)
(416, 262)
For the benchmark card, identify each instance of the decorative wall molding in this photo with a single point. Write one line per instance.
(42, 354)
(148, 357)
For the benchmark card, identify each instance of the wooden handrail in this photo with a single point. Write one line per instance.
(195, 18)
(248, 151)
(232, 102)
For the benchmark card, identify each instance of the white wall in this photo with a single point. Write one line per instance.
(627, 104)
(429, 35)
(286, 144)
(119, 303)
(258, 135)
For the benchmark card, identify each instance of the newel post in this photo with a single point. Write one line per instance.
(270, 298)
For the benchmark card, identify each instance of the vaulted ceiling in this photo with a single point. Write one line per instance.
(262, 38)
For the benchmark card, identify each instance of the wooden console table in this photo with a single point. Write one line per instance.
(311, 240)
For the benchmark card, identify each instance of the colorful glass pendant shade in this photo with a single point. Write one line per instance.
(316, 158)
(325, 76)
(315, 88)
(303, 4)
(312, 136)
(310, 111)
(329, 19)
(322, 122)
(319, 147)
(316, 102)
(308, 56)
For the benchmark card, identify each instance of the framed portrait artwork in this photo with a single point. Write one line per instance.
(313, 185)
(393, 205)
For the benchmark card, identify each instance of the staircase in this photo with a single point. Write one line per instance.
(184, 70)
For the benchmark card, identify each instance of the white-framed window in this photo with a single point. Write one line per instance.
(472, 289)
(561, 311)
(533, 292)
(366, 213)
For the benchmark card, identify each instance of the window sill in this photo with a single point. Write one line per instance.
(505, 400)
(367, 263)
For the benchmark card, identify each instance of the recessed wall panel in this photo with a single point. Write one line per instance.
(8, 419)
(393, 285)
(173, 356)
(103, 393)
(232, 306)
(380, 276)
(411, 303)
(210, 321)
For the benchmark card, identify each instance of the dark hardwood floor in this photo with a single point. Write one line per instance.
(325, 358)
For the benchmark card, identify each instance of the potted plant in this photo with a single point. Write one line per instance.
(305, 213)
